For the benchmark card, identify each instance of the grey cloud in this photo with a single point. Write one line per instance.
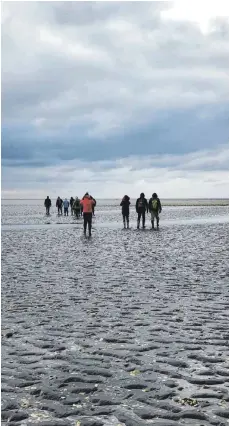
(132, 65)
(172, 175)
(98, 81)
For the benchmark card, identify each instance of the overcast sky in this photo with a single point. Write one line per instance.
(115, 98)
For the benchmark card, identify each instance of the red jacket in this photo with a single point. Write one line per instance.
(87, 204)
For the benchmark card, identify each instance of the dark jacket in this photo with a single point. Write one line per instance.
(141, 205)
(76, 205)
(71, 201)
(158, 208)
(59, 202)
(125, 204)
(93, 200)
(48, 202)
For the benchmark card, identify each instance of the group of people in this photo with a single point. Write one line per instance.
(74, 204)
(142, 206)
(86, 207)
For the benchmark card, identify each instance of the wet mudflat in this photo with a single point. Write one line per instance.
(128, 328)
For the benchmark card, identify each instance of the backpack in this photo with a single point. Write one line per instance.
(141, 203)
(154, 204)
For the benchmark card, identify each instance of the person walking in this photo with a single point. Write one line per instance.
(77, 207)
(47, 205)
(59, 205)
(71, 205)
(87, 204)
(66, 207)
(141, 208)
(93, 207)
(125, 204)
(155, 208)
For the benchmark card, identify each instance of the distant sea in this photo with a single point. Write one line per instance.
(116, 201)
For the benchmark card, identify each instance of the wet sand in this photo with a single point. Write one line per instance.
(118, 329)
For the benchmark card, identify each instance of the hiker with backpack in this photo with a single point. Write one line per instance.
(47, 204)
(66, 206)
(125, 204)
(77, 207)
(141, 208)
(155, 208)
(71, 205)
(87, 202)
(59, 205)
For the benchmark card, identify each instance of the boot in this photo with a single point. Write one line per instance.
(152, 224)
(138, 224)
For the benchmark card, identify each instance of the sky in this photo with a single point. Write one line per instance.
(115, 98)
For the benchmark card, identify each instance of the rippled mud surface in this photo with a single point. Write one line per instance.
(128, 328)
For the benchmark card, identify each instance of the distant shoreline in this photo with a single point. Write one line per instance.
(113, 199)
(166, 202)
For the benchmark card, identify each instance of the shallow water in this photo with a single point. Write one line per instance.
(119, 328)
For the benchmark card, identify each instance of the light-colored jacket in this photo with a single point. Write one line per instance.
(66, 204)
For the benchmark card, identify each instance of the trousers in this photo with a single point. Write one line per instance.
(87, 217)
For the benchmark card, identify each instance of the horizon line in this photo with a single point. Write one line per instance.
(117, 198)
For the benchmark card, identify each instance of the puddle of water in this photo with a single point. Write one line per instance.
(116, 225)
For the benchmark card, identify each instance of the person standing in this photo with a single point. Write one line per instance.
(66, 207)
(59, 205)
(87, 204)
(155, 208)
(125, 204)
(71, 205)
(77, 207)
(47, 204)
(141, 208)
(93, 207)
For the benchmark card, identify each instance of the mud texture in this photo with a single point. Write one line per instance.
(128, 328)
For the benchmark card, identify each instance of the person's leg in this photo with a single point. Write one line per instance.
(89, 223)
(157, 221)
(143, 219)
(139, 218)
(127, 220)
(85, 222)
(124, 220)
(152, 219)
(67, 212)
